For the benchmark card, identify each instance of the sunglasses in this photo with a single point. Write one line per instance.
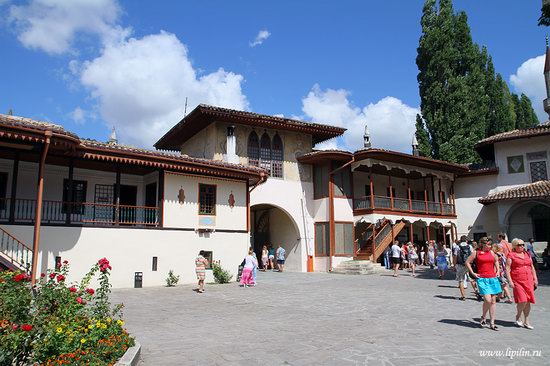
(520, 245)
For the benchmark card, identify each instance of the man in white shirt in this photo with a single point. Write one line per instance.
(462, 251)
(396, 257)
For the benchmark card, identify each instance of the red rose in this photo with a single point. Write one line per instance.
(90, 291)
(65, 262)
(72, 289)
(79, 300)
(60, 278)
(14, 326)
(52, 275)
(26, 327)
(42, 275)
(19, 277)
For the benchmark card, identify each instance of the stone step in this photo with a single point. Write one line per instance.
(357, 267)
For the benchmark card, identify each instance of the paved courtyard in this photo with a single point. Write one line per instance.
(328, 319)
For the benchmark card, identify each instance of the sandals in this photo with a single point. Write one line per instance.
(493, 327)
(528, 326)
(462, 298)
(482, 322)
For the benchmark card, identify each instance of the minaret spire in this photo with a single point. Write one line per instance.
(112, 139)
(366, 138)
(414, 144)
(546, 101)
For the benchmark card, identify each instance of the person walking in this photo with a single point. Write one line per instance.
(422, 251)
(522, 278)
(265, 257)
(249, 263)
(431, 254)
(531, 250)
(462, 251)
(441, 261)
(255, 269)
(395, 257)
(387, 257)
(271, 257)
(200, 269)
(281, 252)
(506, 248)
(502, 278)
(413, 258)
(487, 270)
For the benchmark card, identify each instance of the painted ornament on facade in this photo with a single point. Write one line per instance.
(231, 200)
(181, 196)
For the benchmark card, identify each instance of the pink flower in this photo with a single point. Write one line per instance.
(90, 291)
(79, 300)
(65, 262)
(60, 278)
(72, 289)
(52, 275)
(26, 327)
(14, 326)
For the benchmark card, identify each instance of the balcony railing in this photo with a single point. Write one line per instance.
(86, 213)
(403, 205)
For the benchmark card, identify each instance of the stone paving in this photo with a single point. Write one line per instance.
(329, 319)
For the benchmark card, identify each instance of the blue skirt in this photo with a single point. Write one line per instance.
(489, 286)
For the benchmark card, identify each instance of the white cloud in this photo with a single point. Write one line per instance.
(143, 95)
(391, 122)
(78, 115)
(52, 25)
(529, 80)
(260, 38)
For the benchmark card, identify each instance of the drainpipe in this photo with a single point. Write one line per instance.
(331, 224)
(38, 210)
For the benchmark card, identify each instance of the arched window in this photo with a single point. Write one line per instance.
(253, 149)
(265, 153)
(277, 157)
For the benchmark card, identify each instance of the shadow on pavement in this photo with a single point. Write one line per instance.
(461, 322)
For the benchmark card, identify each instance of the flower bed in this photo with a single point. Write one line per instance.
(59, 323)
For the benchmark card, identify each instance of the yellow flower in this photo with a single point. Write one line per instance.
(98, 324)
(91, 326)
(103, 326)
(83, 340)
(108, 320)
(120, 322)
(59, 330)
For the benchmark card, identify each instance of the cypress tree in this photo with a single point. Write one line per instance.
(424, 146)
(530, 118)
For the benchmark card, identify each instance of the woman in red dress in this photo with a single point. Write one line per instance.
(522, 277)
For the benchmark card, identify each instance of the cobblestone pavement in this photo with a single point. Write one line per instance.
(328, 319)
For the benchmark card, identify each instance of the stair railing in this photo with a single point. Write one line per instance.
(15, 251)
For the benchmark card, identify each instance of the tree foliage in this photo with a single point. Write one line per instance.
(463, 99)
(545, 15)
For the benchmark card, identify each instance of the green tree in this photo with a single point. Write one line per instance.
(545, 14)
(530, 118)
(422, 137)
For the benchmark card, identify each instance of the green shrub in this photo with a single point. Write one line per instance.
(221, 275)
(57, 323)
(172, 280)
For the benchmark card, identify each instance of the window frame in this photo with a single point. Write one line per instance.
(265, 162)
(352, 228)
(214, 198)
(544, 164)
(75, 207)
(325, 235)
(277, 161)
(322, 191)
(4, 176)
(253, 150)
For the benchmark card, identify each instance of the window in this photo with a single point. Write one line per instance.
(3, 187)
(207, 199)
(265, 153)
(277, 156)
(320, 181)
(343, 238)
(342, 182)
(443, 199)
(155, 264)
(77, 198)
(392, 192)
(253, 149)
(538, 171)
(322, 239)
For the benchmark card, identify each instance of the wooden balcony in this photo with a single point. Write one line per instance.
(21, 211)
(375, 204)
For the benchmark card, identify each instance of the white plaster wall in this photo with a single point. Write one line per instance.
(202, 144)
(281, 233)
(289, 197)
(472, 216)
(186, 215)
(518, 147)
(132, 250)
(343, 209)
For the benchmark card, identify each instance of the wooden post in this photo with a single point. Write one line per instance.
(371, 189)
(444, 235)
(409, 194)
(332, 226)
(391, 191)
(428, 232)
(69, 205)
(433, 188)
(117, 195)
(411, 233)
(160, 198)
(13, 196)
(440, 198)
(453, 197)
(38, 212)
(425, 195)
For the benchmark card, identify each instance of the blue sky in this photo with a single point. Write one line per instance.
(93, 64)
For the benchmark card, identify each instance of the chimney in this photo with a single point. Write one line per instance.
(231, 146)
(366, 138)
(415, 150)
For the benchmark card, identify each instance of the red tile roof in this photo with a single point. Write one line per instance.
(541, 130)
(203, 115)
(539, 189)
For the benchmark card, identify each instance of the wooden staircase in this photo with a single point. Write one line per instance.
(378, 238)
(14, 254)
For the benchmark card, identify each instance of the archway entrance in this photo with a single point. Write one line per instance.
(530, 220)
(272, 226)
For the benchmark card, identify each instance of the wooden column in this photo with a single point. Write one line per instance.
(332, 226)
(409, 193)
(411, 233)
(391, 192)
(444, 235)
(371, 189)
(440, 198)
(425, 194)
(13, 196)
(428, 232)
(453, 197)
(433, 187)
(117, 195)
(69, 205)
(160, 198)
(38, 212)
(248, 208)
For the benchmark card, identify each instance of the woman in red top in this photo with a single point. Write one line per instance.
(488, 270)
(522, 277)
